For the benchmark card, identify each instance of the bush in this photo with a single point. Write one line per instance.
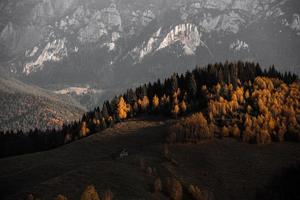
(90, 193)
(173, 189)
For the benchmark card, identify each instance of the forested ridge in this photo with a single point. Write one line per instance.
(25, 107)
(232, 99)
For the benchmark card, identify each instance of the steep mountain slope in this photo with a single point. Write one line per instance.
(115, 44)
(25, 107)
(226, 168)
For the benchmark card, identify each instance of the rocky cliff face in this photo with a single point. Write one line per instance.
(51, 42)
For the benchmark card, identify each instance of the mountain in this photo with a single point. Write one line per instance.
(25, 107)
(110, 45)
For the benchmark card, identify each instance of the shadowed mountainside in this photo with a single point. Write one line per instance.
(25, 107)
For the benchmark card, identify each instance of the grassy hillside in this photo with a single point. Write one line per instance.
(222, 168)
(25, 107)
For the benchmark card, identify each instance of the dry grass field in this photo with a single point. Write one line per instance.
(223, 168)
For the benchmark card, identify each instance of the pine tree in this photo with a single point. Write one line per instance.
(104, 111)
(131, 97)
(191, 85)
(174, 84)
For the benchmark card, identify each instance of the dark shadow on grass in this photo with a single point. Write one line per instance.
(284, 186)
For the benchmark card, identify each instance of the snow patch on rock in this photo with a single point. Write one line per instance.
(187, 34)
(239, 45)
(149, 47)
(29, 53)
(53, 51)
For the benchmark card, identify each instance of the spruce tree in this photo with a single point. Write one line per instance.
(104, 111)
(191, 85)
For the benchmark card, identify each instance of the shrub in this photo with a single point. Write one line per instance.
(173, 189)
(90, 193)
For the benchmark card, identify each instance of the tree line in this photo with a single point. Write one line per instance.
(259, 112)
(178, 95)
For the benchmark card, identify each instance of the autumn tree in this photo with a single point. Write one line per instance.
(123, 108)
(90, 193)
(84, 129)
(183, 106)
(155, 102)
(175, 107)
(144, 103)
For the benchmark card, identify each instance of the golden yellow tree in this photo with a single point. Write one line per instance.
(183, 106)
(90, 193)
(84, 129)
(225, 131)
(175, 110)
(122, 108)
(155, 102)
(235, 131)
(144, 103)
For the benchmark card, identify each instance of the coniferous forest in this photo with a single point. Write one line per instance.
(237, 99)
